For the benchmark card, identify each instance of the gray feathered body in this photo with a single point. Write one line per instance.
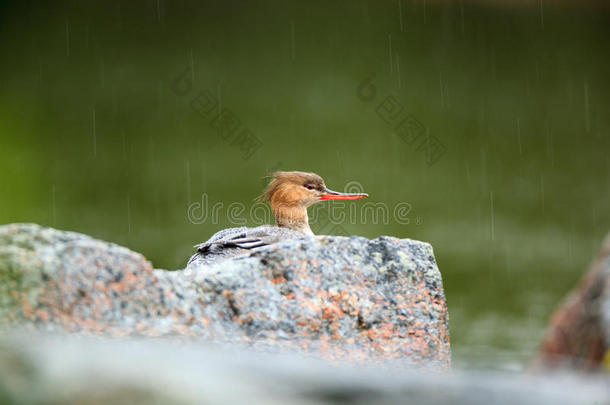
(233, 242)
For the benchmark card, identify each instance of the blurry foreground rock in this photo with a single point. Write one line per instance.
(578, 336)
(332, 297)
(56, 369)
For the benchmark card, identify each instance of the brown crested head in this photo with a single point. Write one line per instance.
(290, 193)
(301, 189)
(294, 188)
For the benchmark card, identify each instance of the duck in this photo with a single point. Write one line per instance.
(289, 193)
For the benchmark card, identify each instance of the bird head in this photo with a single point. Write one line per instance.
(301, 189)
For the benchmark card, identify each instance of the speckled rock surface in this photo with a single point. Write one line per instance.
(578, 335)
(333, 297)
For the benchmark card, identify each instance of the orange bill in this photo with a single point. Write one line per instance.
(335, 195)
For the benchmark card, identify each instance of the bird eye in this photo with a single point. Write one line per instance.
(309, 186)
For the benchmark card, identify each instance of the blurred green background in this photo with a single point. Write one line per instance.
(93, 139)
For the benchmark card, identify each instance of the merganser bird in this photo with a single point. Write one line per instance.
(289, 194)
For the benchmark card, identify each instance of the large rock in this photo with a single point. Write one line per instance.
(334, 297)
(578, 336)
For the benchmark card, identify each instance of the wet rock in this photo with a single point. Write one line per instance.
(332, 297)
(578, 336)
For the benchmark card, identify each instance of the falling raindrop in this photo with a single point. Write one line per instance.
(507, 260)
(188, 182)
(490, 265)
(157, 204)
(550, 149)
(479, 219)
(587, 118)
(340, 164)
(542, 192)
(292, 40)
(541, 16)
(493, 62)
(115, 101)
(440, 83)
(128, 216)
(599, 117)
(124, 141)
(608, 172)
(102, 72)
(159, 98)
(462, 14)
(491, 211)
(570, 237)
(484, 171)
(53, 206)
(94, 135)
(67, 37)
(390, 53)
(192, 61)
(425, 12)
(519, 136)
(204, 177)
(400, 14)
(218, 95)
(398, 69)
